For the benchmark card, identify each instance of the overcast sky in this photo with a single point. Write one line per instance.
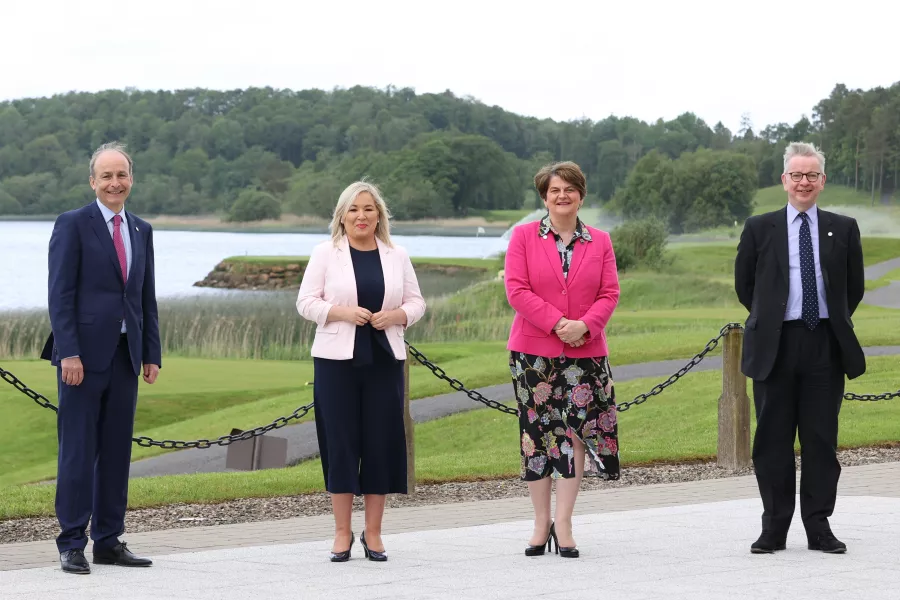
(773, 60)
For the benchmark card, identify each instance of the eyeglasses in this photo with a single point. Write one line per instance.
(811, 177)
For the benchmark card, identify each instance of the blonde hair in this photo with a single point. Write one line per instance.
(350, 193)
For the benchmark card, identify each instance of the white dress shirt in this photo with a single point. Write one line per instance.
(108, 215)
(794, 308)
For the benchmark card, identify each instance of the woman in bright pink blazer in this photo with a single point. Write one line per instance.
(561, 280)
(362, 293)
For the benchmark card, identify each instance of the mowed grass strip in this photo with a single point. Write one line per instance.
(204, 399)
(678, 425)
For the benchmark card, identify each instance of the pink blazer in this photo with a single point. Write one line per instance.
(536, 289)
(329, 281)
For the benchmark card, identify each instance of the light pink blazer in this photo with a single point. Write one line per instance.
(329, 281)
(536, 289)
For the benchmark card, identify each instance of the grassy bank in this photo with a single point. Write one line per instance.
(691, 300)
(678, 425)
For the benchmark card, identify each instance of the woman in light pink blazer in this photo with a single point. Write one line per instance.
(561, 280)
(362, 293)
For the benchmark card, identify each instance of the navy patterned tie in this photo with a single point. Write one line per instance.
(810, 313)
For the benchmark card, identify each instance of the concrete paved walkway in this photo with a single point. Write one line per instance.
(889, 295)
(667, 541)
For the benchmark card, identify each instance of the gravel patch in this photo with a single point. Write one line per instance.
(247, 510)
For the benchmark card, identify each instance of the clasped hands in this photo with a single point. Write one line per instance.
(571, 332)
(360, 316)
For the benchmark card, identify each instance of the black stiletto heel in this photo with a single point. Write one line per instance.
(345, 555)
(563, 552)
(371, 554)
(539, 550)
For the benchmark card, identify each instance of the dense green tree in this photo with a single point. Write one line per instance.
(254, 205)
(207, 147)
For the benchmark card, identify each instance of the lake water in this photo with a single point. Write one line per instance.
(185, 257)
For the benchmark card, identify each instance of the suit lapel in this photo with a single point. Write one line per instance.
(826, 243)
(102, 232)
(578, 252)
(780, 238)
(135, 236)
(549, 244)
(388, 269)
(346, 263)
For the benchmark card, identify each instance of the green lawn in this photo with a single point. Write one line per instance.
(834, 195)
(201, 398)
(660, 316)
(887, 279)
(679, 424)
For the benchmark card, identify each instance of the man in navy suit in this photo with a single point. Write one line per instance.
(105, 334)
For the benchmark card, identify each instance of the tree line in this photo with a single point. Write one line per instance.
(259, 152)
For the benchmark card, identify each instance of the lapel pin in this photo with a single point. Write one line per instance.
(136, 229)
(829, 234)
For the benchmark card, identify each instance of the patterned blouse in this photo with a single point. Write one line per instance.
(565, 251)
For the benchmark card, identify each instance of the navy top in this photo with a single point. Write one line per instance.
(370, 295)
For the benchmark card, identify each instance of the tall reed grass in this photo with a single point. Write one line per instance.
(265, 325)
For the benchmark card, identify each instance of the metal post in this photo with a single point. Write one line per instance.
(734, 406)
(410, 428)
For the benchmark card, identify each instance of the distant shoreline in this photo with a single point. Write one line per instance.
(443, 228)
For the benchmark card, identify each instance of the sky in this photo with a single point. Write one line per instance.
(564, 60)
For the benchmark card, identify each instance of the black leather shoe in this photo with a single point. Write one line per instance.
(121, 556)
(345, 555)
(826, 542)
(73, 561)
(371, 554)
(768, 543)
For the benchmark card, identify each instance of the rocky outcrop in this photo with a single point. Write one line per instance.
(238, 275)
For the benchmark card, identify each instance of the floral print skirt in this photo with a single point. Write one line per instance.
(558, 399)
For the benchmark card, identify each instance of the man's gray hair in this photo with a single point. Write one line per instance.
(116, 147)
(803, 149)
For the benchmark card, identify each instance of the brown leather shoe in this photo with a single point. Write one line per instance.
(121, 556)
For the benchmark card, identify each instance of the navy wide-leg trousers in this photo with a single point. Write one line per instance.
(359, 423)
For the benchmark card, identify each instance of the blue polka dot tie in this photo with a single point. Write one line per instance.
(810, 313)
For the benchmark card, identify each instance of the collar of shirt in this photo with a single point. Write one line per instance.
(812, 213)
(580, 230)
(109, 214)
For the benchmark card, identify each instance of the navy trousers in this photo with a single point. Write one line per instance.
(359, 423)
(95, 424)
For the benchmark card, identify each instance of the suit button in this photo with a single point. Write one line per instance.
(564, 292)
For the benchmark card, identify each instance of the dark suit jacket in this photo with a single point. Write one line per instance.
(761, 272)
(88, 299)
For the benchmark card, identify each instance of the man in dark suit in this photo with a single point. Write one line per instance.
(105, 334)
(799, 271)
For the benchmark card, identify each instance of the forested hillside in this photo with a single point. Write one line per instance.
(260, 152)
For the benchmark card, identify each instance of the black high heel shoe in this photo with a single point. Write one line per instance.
(345, 555)
(539, 550)
(371, 554)
(563, 552)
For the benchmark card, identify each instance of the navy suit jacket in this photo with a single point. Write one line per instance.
(88, 298)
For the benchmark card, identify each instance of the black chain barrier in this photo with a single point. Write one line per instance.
(457, 385)
(657, 389)
(438, 372)
(147, 442)
(696, 360)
